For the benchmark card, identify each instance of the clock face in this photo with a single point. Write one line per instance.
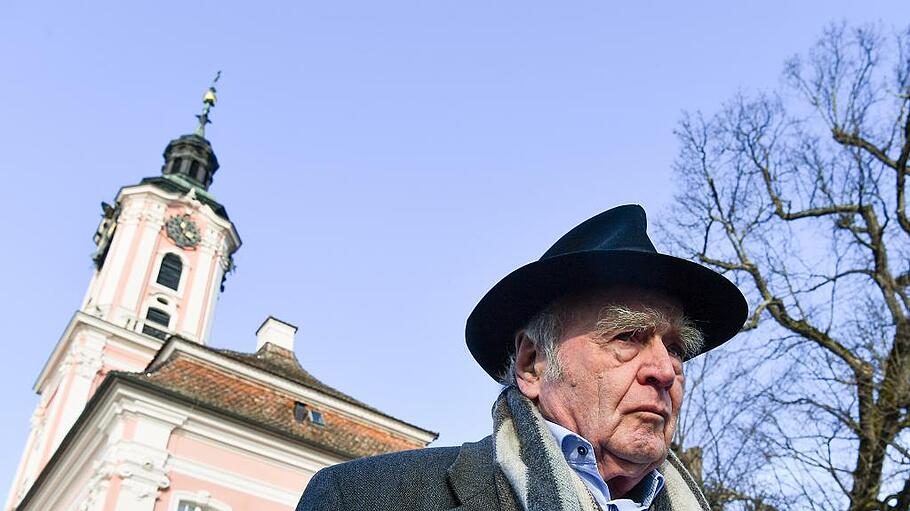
(182, 231)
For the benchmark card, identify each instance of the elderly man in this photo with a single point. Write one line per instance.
(589, 342)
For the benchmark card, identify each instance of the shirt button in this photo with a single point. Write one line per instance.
(582, 451)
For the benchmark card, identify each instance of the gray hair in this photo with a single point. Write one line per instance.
(545, 331)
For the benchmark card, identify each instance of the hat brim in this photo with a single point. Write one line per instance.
(715, 304)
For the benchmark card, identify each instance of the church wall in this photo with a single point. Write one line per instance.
(241, 463)
(223, 497)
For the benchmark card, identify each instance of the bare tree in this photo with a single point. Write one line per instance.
(800, 197)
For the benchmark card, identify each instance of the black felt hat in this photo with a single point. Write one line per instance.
(609, 249)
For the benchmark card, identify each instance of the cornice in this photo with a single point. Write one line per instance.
(189, 199)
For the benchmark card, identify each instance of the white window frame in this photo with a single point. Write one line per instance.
(184, 272)
(200, 498)
(152, 303)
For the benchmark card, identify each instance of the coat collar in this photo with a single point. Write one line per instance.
(472, 477)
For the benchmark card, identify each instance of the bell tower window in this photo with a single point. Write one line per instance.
(192, 171)
(157, 317)
(170, 270)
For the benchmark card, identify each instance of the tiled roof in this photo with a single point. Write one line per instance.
(281, 362)
(204, 383)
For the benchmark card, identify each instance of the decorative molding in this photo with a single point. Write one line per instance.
(211, 239)
(114, 333)
(143, 478)
(203, 209)
(153, 213)
(191, 201)
(130, 213)
(225, 478)
(97, 487)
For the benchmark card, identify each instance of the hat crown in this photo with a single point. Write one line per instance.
(619, 228)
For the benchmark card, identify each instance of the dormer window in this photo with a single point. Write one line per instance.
(300, 412)
(303, 413)
(170, 270)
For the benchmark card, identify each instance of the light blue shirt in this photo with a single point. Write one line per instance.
(580, 456)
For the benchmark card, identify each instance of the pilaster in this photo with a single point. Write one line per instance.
(202, 285)
(142, 461)
(83, 362)
(117, 264)
(153, 212)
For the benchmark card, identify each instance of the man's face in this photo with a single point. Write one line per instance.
(621, 384)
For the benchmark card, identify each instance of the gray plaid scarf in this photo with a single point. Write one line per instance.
(533, 474)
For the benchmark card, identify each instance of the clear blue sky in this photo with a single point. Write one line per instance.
(385, 162)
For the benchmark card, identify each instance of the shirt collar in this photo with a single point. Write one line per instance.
(579, 454)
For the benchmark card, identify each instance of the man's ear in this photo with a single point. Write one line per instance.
(529, 366)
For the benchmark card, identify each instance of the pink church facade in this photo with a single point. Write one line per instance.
(137, 412)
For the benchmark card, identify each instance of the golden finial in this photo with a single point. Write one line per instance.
(208, 100)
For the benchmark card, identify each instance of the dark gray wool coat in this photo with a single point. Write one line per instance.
(449, 479)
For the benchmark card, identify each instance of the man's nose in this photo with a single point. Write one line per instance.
(657, 367)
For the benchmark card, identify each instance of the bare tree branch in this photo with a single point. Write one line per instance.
(802, 202)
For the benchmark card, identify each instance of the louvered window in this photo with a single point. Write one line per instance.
(158, 316)
(169, 273)
(192, 171)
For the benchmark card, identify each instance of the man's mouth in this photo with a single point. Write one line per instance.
(653, 409)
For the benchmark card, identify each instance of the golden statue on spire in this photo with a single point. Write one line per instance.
(208, 100)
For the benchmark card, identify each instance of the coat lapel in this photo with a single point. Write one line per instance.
(472, 477)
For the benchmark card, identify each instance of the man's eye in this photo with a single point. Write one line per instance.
(677, 351)
(626, 336)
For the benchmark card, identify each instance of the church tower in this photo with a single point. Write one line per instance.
(164, 248)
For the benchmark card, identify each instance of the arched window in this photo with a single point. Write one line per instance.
(169, 272)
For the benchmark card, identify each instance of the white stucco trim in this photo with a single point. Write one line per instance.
(185, 269)
(200, 498)
(140, 343)
(239, 483)
(203, 209)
